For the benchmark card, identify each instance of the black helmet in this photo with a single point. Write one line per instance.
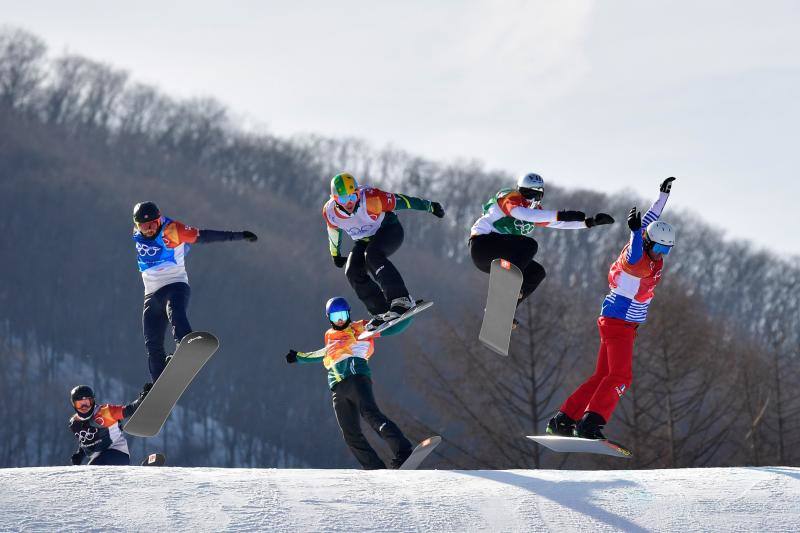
(145, 212)
(79, 393)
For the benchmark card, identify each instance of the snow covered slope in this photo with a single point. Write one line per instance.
(207, 499)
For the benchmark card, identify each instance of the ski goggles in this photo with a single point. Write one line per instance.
(336, 316)
(532, 194)
(151, 225)
(343, 200)
(661, 248)
(81, 402)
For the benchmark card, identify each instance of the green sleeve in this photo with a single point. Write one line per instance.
(403, 201)
(311, 357)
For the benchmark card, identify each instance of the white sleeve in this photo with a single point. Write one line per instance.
(534, 215)
(655, 210)
(574, 224)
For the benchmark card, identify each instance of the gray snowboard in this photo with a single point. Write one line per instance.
(505, 282)
(194, 350)
(578, 445)
(420, 307)
(422, 451)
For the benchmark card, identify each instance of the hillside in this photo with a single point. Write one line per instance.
(209, 499)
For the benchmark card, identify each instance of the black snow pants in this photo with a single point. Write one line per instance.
(352, 400)
(370, 256)
(167, 305)
(517, 249)
(111, 457)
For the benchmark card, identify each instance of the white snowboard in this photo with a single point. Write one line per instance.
(505, 282)
(419, 454)
(420, 307)
(578, 445)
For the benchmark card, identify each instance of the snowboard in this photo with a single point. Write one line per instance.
(155, 459)
(418, 308)
(505, 282)
(420, 453)
(578, 445)
(194, 350)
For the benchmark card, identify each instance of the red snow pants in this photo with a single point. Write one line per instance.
(601, 392)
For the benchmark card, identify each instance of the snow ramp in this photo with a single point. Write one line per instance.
(230, 499)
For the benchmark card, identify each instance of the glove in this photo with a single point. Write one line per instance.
(634, 220)
(339, 260)
(249, 236)
(77, 458)
(571, 216)
(291, 357)
(666, 185)
(598, 220)
(145, 389)
(437, 209)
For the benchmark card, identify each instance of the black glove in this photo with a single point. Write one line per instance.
(634, 220)
(291, 357)
(249, 236)
(145, 389)
(571, 216)
(598, 220)
(666, 185)
(437, 209)
(339, 260)
(77, 457)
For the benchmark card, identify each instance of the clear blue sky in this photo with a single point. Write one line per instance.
(600, 95)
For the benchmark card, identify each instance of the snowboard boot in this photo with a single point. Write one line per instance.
(590, 426)
(398, 307)
(560, 425)
(376, 322)
(401, 457)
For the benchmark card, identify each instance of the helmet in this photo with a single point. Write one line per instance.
(79, 393)
(145, 212)
(344, 190)
(531, 186)
(659, 236)
(337, 309)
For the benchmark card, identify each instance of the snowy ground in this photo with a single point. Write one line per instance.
(212, 499)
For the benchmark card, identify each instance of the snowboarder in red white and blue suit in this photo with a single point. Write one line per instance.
(161, 246)
(632, 278)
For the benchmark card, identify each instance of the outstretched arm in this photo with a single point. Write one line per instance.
(306, 357)
(178, 233)
(658, 206)
(212, 235)
(379, 201)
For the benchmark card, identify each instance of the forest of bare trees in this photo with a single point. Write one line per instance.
(716, 369)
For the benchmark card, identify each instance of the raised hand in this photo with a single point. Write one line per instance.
(249, 236)
(291, 357)
(635, 219)
(666, 185)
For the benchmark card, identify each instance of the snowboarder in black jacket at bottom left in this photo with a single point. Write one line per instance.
(97, 428)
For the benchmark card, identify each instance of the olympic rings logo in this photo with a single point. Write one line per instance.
(523, 226)
(359, 231)
(86, 435)
(145, 250)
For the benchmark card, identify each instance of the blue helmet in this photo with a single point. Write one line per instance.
(336, 303)
(337, 309)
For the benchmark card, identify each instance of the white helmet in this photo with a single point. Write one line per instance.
(660, 232)
(533, 185)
